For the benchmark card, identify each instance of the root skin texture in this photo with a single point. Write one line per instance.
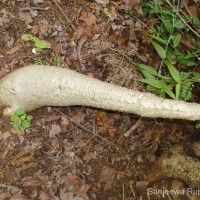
(35, 86)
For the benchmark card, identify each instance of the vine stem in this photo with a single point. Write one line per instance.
(183, 20)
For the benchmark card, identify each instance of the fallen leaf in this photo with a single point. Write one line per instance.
(87, 26)
(25, 16)
(14, 50)
(57, 49)
(141, 186)
(55, 130)
(107, 175)
(42, 29)
(79, 117)
(4, 21)
(129, 4)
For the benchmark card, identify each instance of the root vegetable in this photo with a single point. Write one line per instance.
(35, 86)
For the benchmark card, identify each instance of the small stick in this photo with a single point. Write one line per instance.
(85, 129)
(33, 8)
(61, 10)
(138, 123)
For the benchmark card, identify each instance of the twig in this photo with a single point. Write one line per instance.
(183, 20)
(61, 10)
(138, 123)
(85, 129)
(33, 8)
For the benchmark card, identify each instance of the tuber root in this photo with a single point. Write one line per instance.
(35, 86)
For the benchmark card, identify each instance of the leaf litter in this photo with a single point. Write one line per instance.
(80, 153)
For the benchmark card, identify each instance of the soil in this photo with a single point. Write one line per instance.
(81, 153)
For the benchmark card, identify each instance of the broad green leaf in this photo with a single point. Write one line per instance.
(176, 40)
(167, 24)
(178, 87)
(39, 44)
(170, 93)
(21, 128)
(15, 118)
(147, 75)
(179, 24)
(15, 126)
(29, 117)
(153, 82)
(147, 68)
(161, 52)
(26, 124)
(23, 117)
(173, 71)
(20, 111)
(195, 21)
(158, 39)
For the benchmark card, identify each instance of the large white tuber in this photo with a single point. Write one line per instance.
(35, 86)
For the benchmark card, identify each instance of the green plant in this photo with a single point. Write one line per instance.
(177, 85)
(38, 61)
(56, 60)
(39, 44)
(165, 36)
(167, 33)
(20, 120)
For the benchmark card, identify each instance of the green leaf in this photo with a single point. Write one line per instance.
(167, 24)
(23, 117)
(176, 40)
(15, 126)
(21, 128)
(153, 82)
(29, 117)
(147, 68)
(20, 111)
(170, 93)
(147, 75)
(161, 52)
(15, 118)
(26, 124)
(39, 44)
(195, 21)
(179, 24)
(178, 87)
(157, 38)
(173, 71)
(197, 124)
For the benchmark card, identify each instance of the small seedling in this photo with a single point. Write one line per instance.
(56, 60)
(39, 44)
(38, 61)
(20, 120)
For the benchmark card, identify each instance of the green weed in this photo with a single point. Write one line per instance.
(39, 44)
(20, 120)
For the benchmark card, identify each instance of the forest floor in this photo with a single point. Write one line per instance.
(81, 153)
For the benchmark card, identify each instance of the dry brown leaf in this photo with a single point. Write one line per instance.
(4, 21)
(193, 10)
(25, 16)
(88, 24)
(88, 18)
(43, 29)
(129, 4)
(55, 130)
(57, 49)
(18, 197)
(79, 117)
(14, 50)
(107, 175)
